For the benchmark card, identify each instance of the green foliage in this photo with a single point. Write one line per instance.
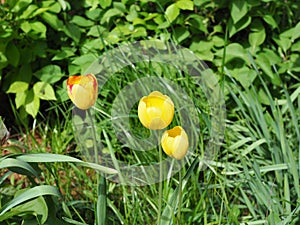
(45, 41)
(253, 44)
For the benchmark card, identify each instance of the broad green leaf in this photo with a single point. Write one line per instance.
(18, 166)
(72, 31)
(32, 104)
(64, 4)
(53, 21)
(30, 194)
(50, 73)
(258, 34)
(20, 99)
(197, 22)
(109, 14)
(81, 21)
(94, 14)
(185, 4)
(36, 206)
(235, 50)
(105, 3)
(63, 53)
(84, 61)
(239, 9)
(96, 31)
(296, 32)
(266, 60)
(172, 12)
(20, 5)
(3, 60)
(18, 86)
(29, 11)
(12, 54)
(242, 24)
(44, 91)
(52, 6)
(283, 42)
(39, 28)
(270, 20)
(180, 34)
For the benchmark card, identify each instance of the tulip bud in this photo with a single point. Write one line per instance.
(156, 111)
(175, 142)
(83, 90)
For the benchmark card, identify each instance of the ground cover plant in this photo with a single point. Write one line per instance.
(251, 48)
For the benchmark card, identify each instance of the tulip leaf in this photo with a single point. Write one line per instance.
(44, 91)
(28, 195)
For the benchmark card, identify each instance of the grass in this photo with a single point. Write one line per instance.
(253, 179)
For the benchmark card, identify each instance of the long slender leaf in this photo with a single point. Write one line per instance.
(30, 194)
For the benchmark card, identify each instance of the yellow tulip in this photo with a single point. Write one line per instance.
(175, 142)
(156, 111)
(83, 90)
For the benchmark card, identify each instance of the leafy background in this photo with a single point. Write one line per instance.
(252, 45)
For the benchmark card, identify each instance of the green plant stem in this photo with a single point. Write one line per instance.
(160, 187)
(101, 183)
(179, 198)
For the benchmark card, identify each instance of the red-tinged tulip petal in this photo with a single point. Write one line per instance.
(83, 90)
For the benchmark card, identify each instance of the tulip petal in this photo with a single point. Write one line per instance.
(175, 142)
(83, 90)
(156, 111)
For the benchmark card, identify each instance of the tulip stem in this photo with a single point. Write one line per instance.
(101, 182)
(179, 198)
(160, 187)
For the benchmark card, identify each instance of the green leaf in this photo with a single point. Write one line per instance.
(44, 91)
(258, 34)
(29, 11)
(20, 5)
(105, 3)
(63, 53)
(270, 20)
(20, 99)
(36, 207)
(81, 21)
(239, 9)
(180, 34)
(28, 195)
(18, 86)
(101, 203)
(53, 21)
(109, 14)
(12, 54)
(296, 32)
(32, 104)
(18, 166)
(172, 12)
(3, 60)
(242, 24)
(50, 73)
(72, 31)
(47, 157)
(185, 5)
(266, 60)
(235, 50)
